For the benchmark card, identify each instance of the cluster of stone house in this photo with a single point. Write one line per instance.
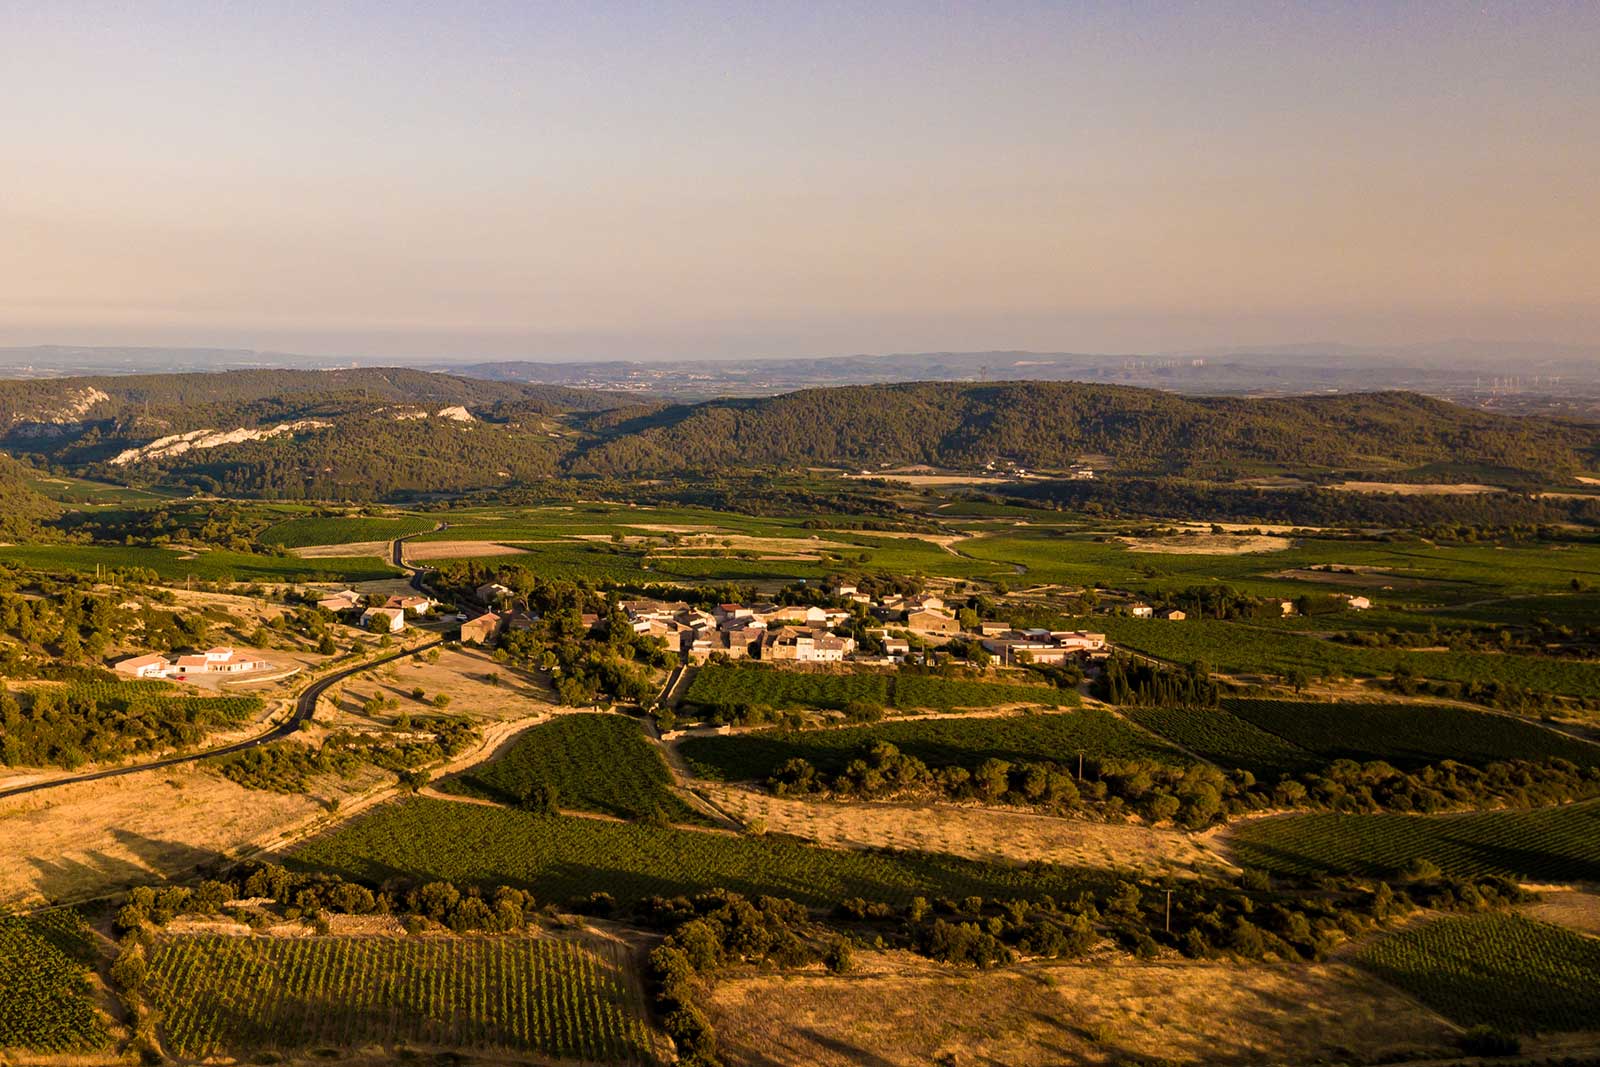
(220, 660)
(800, 633)
(486, 627)
(393, 611)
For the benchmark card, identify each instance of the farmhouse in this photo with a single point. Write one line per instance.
(1141, 611)
(416, 605)
(219, 660)
(1043, 646)
(147, 666)
(1359, 603)
(391, 619)
(481, 630)
(1173, 615)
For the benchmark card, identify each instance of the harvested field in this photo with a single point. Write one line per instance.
(429, 550)
(897, 1011)
(995, 836)
(1417, 488)
(1207, 544)
(354, 548)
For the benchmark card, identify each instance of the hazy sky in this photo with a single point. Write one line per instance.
(586, 179)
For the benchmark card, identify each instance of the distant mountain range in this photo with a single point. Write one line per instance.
(1513, 376)
(385, 432)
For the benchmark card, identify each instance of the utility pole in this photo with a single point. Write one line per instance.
(1169, 911)
(1080, 765)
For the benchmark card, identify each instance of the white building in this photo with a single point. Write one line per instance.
(395, 618)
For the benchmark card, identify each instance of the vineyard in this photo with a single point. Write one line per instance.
(1056, 737)
(1502, 970)
(565, 858)
(1550, 844)
(1244, 649)
(301, 533)
(101, 721)
(1226, 740)
(560, 998)
(793, 689)
(1409, 735)
(44, 989)
(600, 763)
(214, 565)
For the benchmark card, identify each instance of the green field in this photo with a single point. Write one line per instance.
(300, 533)
(1551, 844)
(1226, 740)
(561, 998)
(45, 1002)
(1240, 648)
(1501, 970)
(215, 565)
(1056, 737)
(908, 691)
(565, 858)
(600, 763)
(1409, 735)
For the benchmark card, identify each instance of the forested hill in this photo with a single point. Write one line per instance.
(1050, 424)
(364, 434)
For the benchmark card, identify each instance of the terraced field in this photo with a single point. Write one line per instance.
(564, 859)
(1057, 737)
(1550, 844)
(1501, 970)
(600, 763)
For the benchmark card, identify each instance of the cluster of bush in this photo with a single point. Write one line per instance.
(710, 932)
(312, 897)
(289, 766)
(1193, 795)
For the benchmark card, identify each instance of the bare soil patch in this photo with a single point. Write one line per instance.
(1575, 908)
(986, 834)
(896, 1011)
(1208, 544)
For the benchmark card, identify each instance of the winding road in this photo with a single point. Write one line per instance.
(305, 706)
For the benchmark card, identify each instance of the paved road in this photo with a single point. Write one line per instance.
(305, 705)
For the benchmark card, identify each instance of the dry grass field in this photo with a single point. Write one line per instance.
(975, 833)
(476, 685)
(896, 1010)
(77, 841)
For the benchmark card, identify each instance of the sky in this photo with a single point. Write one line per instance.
(647, 180)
